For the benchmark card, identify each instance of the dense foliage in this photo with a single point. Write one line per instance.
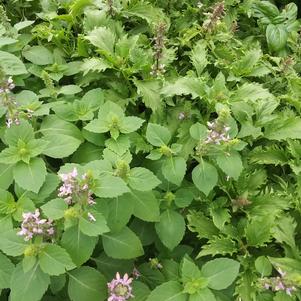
(150, 150)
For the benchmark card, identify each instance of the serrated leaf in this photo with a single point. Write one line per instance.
(103, 38)
(55, 209)
(218, 245)
(157, 135)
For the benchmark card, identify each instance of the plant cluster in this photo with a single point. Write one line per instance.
(150, 150)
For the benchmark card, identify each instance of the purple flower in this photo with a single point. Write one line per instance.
(217, 133)
(120, 289)
(136, 274)
(32, 225)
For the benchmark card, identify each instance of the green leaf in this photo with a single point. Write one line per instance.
(103, 38)
(230, 164)
(55, 209)
(30, 176)
(168, 291)
(220, 272)
(184, 86)
(38, 55)
(54, 130)
(174, 169)
(6, 271)
(93, 228)
(282, 129)
(142, 179)
(11, 243)
(203, 295)
(218, 245)
(189, 270)
(86, 283)
(117, 211)
(122, 245)
(78, 245)
(205, 177)
(140, 291)
(54, 260)
(258, 231)
(6, 175)
(277, 36)
(94, 65)
(198, 57)
(157, 135)
(145, 205)
(198, 131)
(11, 65)
(130, 124)
(109, 187)
(70, 90)
(150, 92)
(24, 131)
(30, 285)
(171, 228)
(263, 266)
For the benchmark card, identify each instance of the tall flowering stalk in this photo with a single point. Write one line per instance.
(158, 68)
(120, 288)
(75, 190)
(214, 17)
(33, 226)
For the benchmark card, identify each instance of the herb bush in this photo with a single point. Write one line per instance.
(150, 150)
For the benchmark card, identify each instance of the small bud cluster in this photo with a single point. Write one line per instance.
(158, 68)
(217, 132)
(32, 225)
(214, 17)
(279, 283)
(120, 288)
(75, 190)
(7, 86)
(155, 264)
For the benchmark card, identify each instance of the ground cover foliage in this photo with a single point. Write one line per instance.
(150, 150)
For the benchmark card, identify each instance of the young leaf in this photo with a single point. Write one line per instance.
(86, 283)
(171, 228)
(142, 179)
(220, 272)
(122, 245)
(54, 260)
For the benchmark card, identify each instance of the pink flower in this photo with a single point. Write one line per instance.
(91, 217)
(120, 289)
